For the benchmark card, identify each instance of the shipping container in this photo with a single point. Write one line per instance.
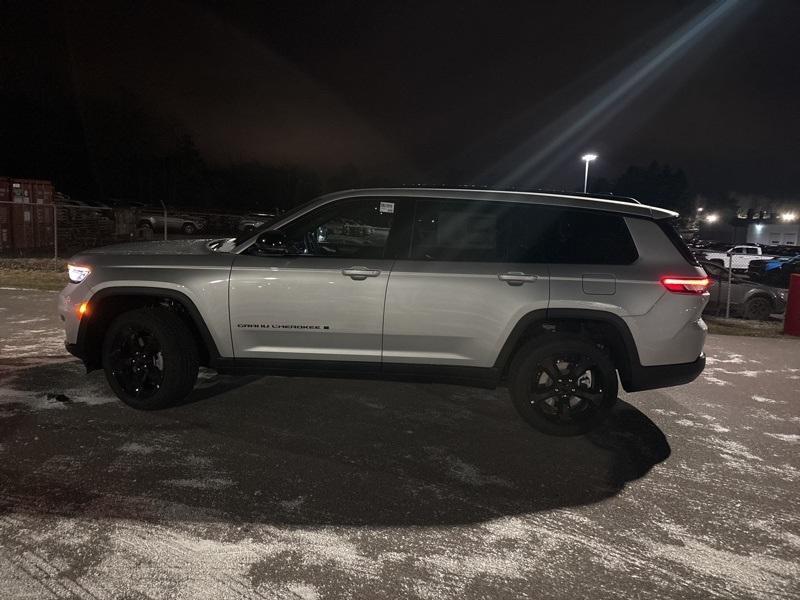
(27, 222)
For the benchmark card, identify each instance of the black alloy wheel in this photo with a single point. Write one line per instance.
(150, 358)
(567, 388)
(136, 361)
(563, 384)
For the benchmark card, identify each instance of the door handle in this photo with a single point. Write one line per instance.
(360, 273)
(516, 278)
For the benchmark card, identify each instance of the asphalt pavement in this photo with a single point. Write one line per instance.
(316, 488)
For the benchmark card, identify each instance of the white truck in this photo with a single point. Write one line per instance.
(738, 256)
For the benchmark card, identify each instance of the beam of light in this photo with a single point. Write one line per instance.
(558, 142)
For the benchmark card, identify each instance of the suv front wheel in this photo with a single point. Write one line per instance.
(563, 385)
(150, 358)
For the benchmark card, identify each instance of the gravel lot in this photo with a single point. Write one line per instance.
(302, 488)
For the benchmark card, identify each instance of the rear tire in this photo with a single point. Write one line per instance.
(757, 309)
(562, 384)
(189, 229)
(150, 358)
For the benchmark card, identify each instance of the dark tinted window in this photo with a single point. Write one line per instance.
(668, 227)
(511, 232)
(558, 235)
(460, 230)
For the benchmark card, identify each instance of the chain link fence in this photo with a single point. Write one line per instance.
(738, 286)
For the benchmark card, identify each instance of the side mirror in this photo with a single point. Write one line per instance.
(272, 243)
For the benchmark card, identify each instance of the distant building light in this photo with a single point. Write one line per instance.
(699, 209)
(789, 216)
(712, 218)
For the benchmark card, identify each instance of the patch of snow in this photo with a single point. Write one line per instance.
(211, 483)
(136, 448)
(786, 437)
(764, 400)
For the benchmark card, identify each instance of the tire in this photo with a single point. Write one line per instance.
(188, 228)
(758, 308)
(554, 365)
(145, 225)
(150, 358)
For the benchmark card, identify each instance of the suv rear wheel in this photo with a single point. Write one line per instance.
(150, 358)
(563, 385)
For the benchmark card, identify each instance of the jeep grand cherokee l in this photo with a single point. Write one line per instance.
(556, 296)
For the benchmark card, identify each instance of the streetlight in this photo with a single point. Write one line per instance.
(587, 158)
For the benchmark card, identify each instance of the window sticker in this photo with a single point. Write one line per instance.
(387, 207)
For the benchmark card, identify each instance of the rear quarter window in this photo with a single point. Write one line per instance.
(668, 227)
(571, 236)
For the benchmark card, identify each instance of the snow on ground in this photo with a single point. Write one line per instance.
(302, 488)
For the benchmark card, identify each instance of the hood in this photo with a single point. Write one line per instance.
(155, 247)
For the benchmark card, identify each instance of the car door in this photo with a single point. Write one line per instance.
(322, 300)
(456, 297)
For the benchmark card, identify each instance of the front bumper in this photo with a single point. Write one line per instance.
(649, 378)
(75, 350)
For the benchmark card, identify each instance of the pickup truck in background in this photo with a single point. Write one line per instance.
(739, 256)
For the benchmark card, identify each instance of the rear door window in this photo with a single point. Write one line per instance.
(455, 230)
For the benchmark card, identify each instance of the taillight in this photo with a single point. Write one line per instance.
(686, 285)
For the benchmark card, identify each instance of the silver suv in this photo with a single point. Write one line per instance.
(551, 295)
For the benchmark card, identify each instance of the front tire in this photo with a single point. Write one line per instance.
(563, 385)
(150, 358)
(189, 229)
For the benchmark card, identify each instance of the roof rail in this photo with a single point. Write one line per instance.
(487, 188)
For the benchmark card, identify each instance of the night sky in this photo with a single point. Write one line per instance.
(492, 93)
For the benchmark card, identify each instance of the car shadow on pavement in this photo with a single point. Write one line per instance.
(315, 452)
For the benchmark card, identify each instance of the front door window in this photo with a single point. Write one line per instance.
(357, 228)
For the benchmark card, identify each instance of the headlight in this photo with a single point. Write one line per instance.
(78, 274)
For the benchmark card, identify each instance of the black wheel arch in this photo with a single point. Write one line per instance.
(110, 302)
(761, 296)
(603, 327)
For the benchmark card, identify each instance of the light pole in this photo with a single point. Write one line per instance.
(587, 158)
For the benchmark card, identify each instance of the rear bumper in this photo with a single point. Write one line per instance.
(650, 378)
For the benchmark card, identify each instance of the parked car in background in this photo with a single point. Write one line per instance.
(740, 256)
(782, 250)
(257, 220)
(759, 268)
(779, 277)
(749, 300)
(185, 224)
